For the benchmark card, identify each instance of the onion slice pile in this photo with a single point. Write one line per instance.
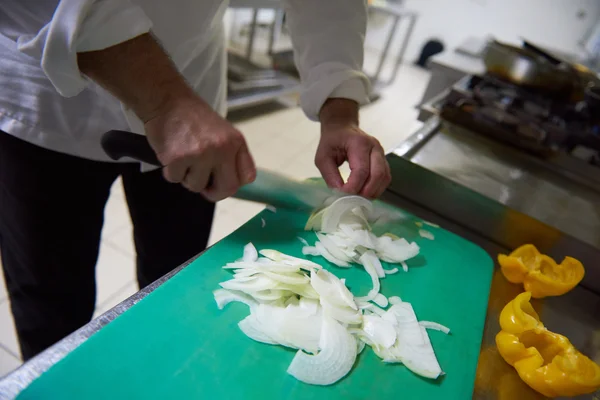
(344, 236)
(297, 304)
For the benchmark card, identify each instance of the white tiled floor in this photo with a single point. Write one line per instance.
(283, 140)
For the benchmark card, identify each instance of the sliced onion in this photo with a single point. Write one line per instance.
(398, 250)
(258, 283)
(290, 279)
(431, 224)
(380, 300)
(290, 260)
(379, 331)
(271, 208)
(333, 213)
(360, 347)
(391, 271)
(250, 253)
(332, 363)
(332, 289)
(368, 260)
(224, 297)
(426, 234)
(314, 221)
(327, 255)
(304, 241)
(249, 327)
(394, 300)
(404, 266)
(310, 251)
(261, 265)
(332, 248)
(434, 326)
(263, 223)
(413, 347)
(345, 315)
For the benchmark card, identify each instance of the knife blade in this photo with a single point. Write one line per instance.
(269, 187)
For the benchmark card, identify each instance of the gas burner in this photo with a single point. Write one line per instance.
(524, 118)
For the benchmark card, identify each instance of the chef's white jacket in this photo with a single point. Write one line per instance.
(45, 100)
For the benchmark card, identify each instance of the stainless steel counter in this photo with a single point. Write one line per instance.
(498, 198)
(471, 205)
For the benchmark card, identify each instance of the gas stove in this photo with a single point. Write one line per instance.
(532, 121)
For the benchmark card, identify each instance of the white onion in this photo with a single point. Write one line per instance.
(332, 248)
(329, 257)
(394, 300)
(391, 271)
(426, 234)
(335, 359)
(380, 332)
(249, 327)
(224, 297)
(368, 261)
(310, 251)
(290, 260)
(332, 289)
(413, 347)
(333, 213)
(404, 266)
(250, 253)
(380, 300)
(434, 326)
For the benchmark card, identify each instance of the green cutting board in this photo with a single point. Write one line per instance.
(176, 344)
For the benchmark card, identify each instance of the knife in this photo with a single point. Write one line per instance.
(269, 188)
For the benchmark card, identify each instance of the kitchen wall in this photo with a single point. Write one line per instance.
(558, 24)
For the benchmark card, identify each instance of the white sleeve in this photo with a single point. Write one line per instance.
(81, 25)
(328, 38)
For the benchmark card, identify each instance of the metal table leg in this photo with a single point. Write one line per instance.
(252, 33)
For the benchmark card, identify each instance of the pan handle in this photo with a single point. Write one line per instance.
(119, 144)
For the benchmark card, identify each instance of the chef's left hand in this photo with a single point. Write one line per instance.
(343, 140)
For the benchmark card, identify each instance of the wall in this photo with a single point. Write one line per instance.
(553, 23)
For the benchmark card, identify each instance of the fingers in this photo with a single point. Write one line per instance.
(246, 170)
(379, 175)
(328, 164)
(176, 171)
(359, 158)
(225, 181)
(197, 178)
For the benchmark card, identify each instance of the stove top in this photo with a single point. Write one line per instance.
(531, 121)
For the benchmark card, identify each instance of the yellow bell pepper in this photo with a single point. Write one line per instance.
(539, 273)
(544, 360)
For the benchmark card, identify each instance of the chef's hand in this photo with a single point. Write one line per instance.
(200, 149)
(342, 140)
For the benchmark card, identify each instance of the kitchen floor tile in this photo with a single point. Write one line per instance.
(116, 214)
(126, 291)
(122, 240)
(8, 362)
(241, 208)
(8, 334)
(224, 224)
(114, 270)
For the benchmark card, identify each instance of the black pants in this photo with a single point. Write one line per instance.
(51, 215)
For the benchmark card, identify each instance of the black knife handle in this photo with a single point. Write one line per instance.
(119, 144)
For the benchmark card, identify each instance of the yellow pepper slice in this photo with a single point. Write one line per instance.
(539, 273)
(546, 361)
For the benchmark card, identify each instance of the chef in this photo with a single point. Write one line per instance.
(71, 70)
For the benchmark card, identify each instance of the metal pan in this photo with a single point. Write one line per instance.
(527, 68)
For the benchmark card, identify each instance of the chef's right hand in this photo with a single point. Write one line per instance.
(200, 149)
